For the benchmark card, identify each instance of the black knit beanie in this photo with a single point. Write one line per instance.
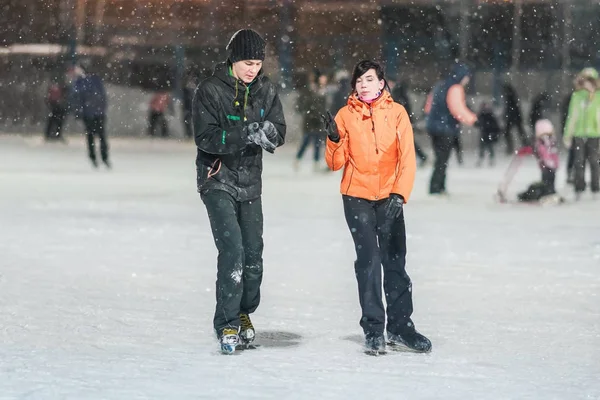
(246, 44)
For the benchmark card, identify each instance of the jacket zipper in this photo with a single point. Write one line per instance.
(376, 150)
(373, 129)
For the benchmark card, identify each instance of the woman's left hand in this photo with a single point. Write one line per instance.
(394, 206)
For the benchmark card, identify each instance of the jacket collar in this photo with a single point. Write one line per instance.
(384, 101)
(222, 72)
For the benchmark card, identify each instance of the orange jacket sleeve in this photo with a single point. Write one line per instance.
(458, 105)
(407, 161)
(336, 154)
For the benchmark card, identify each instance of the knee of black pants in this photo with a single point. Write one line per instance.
(253, 272)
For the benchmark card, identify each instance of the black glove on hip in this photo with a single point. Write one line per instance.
(393, 206)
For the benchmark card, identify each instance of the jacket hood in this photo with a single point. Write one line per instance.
(459, 71)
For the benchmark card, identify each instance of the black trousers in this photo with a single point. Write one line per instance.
(157, 118)
(485, 144)
(419, 151)
(570, 161)
(537, 190)
(56, 117)
(306, 139)
(380, 241)
(94, 126)
(187, 124)
(442, 147)
(586, 151)
(510, 124)
(237, 229)
(457, 145)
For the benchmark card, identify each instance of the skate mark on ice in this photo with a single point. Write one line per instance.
(396, 348)
(357, 338)
(277, 339)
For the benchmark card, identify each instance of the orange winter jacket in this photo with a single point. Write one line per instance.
(376, 149)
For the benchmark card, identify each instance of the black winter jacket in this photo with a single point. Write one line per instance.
(224, 161)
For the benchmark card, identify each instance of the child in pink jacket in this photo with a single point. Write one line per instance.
(546, 151)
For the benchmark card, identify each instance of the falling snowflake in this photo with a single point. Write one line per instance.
(237, 276)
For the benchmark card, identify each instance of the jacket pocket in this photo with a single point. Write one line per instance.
(206, 171)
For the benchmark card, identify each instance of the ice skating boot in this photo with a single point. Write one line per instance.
(411, 339)
(374, 344)
(247, 332)
(228, 340)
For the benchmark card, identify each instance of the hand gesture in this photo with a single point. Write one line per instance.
(330, 127)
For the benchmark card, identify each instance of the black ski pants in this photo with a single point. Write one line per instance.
(237, 229)
(380, 241)
(586, 151)
(56, 118)
(94, 126)
(510, 124)
(158, 119)
(442, 147)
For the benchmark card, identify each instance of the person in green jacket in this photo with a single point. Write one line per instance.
(582, 130)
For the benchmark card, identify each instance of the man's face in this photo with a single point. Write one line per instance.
(246, 70)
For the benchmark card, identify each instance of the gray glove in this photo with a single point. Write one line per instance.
(270, 130)
(258, 136)
(394, 206)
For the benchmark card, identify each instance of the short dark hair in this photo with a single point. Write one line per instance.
(362, 67)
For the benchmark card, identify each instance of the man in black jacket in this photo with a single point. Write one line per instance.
(237, 115)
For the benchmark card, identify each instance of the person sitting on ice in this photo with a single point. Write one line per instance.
(546, 151)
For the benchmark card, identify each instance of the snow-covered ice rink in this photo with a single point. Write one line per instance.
(107, 285)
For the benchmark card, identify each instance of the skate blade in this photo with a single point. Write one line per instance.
(248, 346)
(375, 353)
(402, 348)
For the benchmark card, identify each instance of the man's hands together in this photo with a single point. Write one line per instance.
(263, 134)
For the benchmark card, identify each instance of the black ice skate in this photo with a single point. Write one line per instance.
(410, 339)
(374, 344)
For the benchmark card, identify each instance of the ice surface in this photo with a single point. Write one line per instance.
(107, 286)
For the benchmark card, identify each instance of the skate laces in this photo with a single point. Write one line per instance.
(229, 336)
(245, 322)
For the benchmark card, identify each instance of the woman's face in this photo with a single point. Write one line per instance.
(368, 86)
(246, 70)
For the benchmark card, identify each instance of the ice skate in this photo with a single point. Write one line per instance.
(374, 344)
(247, 333)
(411, 339)
(228, 340)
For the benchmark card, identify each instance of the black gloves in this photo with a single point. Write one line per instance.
(330, 127)
(393, 206)
(262, 134)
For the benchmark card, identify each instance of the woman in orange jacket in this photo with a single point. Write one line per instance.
(372, 139)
